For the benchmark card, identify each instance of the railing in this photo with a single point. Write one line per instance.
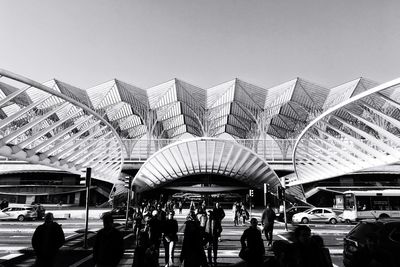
(270, 150)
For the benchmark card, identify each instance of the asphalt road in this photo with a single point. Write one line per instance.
(15, 236)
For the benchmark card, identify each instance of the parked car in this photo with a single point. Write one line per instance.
(387, 232)
(18, 213)
(120, 213)
(316, 215)
(291, 211)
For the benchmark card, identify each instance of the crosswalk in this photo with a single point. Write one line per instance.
(229, 248)
(227, 252)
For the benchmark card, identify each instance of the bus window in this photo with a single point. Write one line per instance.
(380, 203)
(349, 202)
(394, 202)
(363, 203)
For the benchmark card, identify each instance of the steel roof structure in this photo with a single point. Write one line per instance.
(359, 132)
(51, 124)
(69, 128)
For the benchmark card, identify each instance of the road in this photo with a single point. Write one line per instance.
(15, 236)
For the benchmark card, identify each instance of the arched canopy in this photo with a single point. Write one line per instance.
(42, 124)
(360, 132)
(205, 156)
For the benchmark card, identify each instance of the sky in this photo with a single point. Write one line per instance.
(203, 42)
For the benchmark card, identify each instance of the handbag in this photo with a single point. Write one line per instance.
(244, 254)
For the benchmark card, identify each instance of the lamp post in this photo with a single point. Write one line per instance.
(87, 184)
(128, 200)
(284, 201)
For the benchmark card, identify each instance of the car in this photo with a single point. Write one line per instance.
(120, 213)
(18, 213)
(386, 230)
(316, 215)
(291, 211)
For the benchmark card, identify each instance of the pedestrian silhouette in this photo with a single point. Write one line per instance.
(170, 238)
(192, 253)
(321, 251)
(267, 220)
(139, 257)
(252, 245)
(109, 244)
(218, 215)
(46, 241)
(305, 251)
(211, 234)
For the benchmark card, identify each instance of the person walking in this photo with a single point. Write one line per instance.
(192, 253)
(218, 215)
(170, 238)
(155, 226)
(268, 219)
(244, 214)
(108, 245)
(47, 240)
(211, 234)
(235, 214)
(252, 245)
(180, 206)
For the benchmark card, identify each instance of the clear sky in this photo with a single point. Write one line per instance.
(204, 42)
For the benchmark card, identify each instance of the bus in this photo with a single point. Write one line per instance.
(371, 204)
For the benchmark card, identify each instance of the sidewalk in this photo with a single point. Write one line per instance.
(77, 213)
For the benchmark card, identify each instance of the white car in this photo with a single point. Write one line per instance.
(18, 213)
(316, 215)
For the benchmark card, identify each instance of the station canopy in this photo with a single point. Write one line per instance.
(205, 156)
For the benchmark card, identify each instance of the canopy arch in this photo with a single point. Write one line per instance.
(205, 156)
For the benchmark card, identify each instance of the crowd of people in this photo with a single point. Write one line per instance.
(154, 225)
(154, 222)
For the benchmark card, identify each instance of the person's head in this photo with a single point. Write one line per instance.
(280, 249)
(268, 206)
(154, 213)
(158, 206)
(48, 218)
(253, 222)
(107, 220)
(302, 234)
(318, 241)
(217, 204)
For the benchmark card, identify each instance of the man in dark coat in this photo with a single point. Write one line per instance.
(109, 244)
(267, 220)
(253, 245)
(219, 215)
(47, 240)
(170, 238)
